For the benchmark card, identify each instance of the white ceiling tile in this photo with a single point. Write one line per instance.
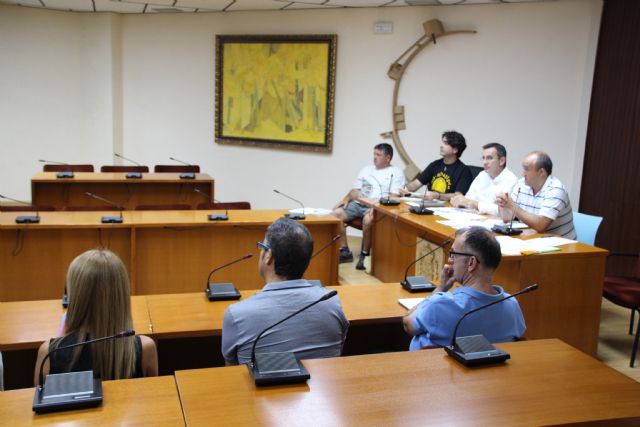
(74, 5)
(30, 3)
(359, 3)
(256, 5)
(118, 6)
(204, 5)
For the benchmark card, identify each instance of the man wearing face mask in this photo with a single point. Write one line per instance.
(473, 258)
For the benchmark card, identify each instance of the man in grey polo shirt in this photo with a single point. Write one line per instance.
(319, 331)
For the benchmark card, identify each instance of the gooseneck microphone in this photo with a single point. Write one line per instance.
(213, 217)
(387, 201)
(61, 174)
(292, 215)
(25, 219)
(108, 219)
(70, 390)
(136, 175)
(476, 349)
(184, 175)
(422, 210)
(223, 291)
(281, 367)
(508, 230)
(420, 283)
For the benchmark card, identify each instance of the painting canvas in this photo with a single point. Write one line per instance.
(276, 91)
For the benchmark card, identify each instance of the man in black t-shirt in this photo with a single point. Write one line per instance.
(447, 176)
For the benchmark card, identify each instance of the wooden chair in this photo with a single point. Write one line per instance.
(625, 292)
(224, 205)
(170, 207)
(176, 168)
(67, 168)
(27, 208)
(141, 169)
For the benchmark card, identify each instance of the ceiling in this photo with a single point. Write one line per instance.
(196, 6)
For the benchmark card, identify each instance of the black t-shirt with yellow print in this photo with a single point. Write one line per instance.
(446, 178)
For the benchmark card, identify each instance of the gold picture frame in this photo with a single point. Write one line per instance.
(276, 91)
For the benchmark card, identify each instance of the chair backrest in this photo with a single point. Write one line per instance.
(224, 205)
(110, 168)
(67, 168)
(173, 207)
(26, 208)
(90, 208)
(475, 170)
(177, 168)
(586, 227)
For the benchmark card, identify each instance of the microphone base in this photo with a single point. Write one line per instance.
(188, 175)
(27, 219)
(475, 350)
(218, 217)
(221, 292)
(295, 216)
(388, 202)
(68, 174)
(111, 220)
(420, 211)
(277, 368)
(415, 284)
(506, 230)
(133, 175)
(63, 392)
(65, 301)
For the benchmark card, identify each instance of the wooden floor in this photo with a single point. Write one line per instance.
(614, 343)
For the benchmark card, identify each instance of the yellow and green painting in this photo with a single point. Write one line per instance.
(275, 91)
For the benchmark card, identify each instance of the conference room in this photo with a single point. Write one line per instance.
(137, 83)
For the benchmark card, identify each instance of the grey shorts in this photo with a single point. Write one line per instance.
(355, 210)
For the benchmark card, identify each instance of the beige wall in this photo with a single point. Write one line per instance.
(76, 87)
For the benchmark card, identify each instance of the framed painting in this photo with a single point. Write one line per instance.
(276, 91)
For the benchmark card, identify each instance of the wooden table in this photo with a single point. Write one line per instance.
(142, 401)
(567, 304)
(546, 382)
(164, 251)
(152, 188)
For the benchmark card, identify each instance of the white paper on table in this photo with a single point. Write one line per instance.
(457, 214)
(552, 241)
(511, 246)
(311, 211)
(409, 303)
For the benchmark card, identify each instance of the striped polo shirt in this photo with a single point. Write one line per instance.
(552, 201)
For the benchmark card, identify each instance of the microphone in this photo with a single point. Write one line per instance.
(508, 230)
(184, 175)
(130, 174)
(25, 219)
(223, 291)
(422, 210)
(70, 390)
(387, 201)
(420, 283)
(213, 217)
(108, 219)
(281, 367)
(334, 240)
(292, 215)
(476, 349)
(61, 174)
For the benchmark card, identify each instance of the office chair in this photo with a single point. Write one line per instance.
(176, 168)
(67, 168)
(586, 227)
(168, 207)
(475, 170)
(141, 169)
(27, 208)
(224, 205)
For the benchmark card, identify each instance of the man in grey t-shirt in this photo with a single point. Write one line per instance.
(319, 331)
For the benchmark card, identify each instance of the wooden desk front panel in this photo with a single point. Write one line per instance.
(34, 261)
(128, 193)
(544, 383)
(141, 401)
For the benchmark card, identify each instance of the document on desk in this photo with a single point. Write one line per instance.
(512, 246)
(409, 303)
(311, 211)
(552, 241)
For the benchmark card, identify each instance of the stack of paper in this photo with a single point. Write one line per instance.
(511, 246)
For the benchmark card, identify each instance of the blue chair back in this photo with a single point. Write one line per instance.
(586, 227)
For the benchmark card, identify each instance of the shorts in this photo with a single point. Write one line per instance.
(355, 210)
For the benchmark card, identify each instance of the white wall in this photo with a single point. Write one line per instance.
(76, 86)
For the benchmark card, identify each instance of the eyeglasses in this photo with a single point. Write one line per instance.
(453, 254)
(261, 245)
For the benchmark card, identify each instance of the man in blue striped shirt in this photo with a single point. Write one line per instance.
(539, 199)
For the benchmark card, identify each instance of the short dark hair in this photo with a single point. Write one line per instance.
(502, 152)
(543, 161)
(386, 149)
(291, 245)
(483, 245)
(455, 140)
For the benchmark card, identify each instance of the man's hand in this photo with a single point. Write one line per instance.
(459, 201)
(446, 279)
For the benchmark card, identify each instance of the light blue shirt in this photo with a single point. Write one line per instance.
(437, 315)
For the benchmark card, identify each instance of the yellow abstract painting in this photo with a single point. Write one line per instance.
(276, 91)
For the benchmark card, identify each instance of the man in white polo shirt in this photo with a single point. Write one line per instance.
(539, 199)
(496, 178)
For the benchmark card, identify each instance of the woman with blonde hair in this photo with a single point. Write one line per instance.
(99, 306)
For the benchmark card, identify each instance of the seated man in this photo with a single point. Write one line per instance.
(496, 178)
(317, 332)
(447, 176)
(539, 199)
(373, 182)
(474, 257)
